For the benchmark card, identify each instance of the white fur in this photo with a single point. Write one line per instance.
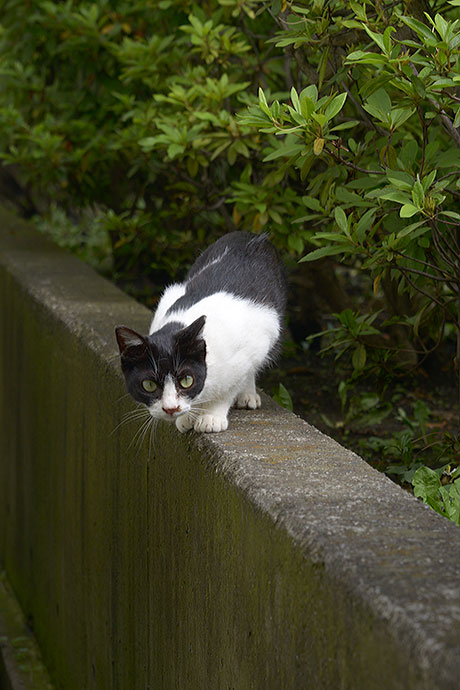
(239, 334)
(170, 295)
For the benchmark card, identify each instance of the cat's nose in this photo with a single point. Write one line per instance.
(171, 410)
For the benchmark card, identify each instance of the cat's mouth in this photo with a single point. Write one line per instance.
(172, 412)
(168, 414)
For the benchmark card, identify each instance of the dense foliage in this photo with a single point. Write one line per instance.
(139, 131)
(128, 109)
(382, 117)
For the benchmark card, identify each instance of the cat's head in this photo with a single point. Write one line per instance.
(165, 371)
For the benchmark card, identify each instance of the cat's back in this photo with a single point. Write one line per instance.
(241, 264)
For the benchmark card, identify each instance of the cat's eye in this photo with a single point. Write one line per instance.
(149, 385)
(186, 381)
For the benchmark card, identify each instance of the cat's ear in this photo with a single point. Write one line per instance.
(193, 331)
(128, 339)
(189, 340)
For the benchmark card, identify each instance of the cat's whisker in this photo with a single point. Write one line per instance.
(122, 397)
(139, 436)
(144, 435)
(200, 408)
(139, 412)
(196, 413)
(132, 415)
(153, 429)
(193, 414)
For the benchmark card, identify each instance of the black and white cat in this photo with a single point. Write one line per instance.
(210, 336)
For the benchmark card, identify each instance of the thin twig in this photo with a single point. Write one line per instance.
(422, 292)
(448, 126)
(419, 261)
(339, 159)
(455, 253)
(440, 279)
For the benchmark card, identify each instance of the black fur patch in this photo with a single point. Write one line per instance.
(244, 265)
(175, 350)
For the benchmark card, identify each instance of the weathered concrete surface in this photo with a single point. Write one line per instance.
(265, 557)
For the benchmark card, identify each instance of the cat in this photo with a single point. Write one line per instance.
(210, 336)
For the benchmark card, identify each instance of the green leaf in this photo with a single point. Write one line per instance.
(276, 217)
(441, 25)
(306, 166)
(411, 228)
(364, 223)
(387, 38)
(307, 107)
(263, 103)
(363, 183)
(295, 243)
(329, 236)
(335, 106)
(451, 497)
(148, 142)
(421, 30)
(426, 482)
(311, 202)
(378, 104)
(295, 100)
(399, 197)
(320, 118)
(349, 198)
(284, 151)
(322, 66)
(326, 251)
(451, 214)
(310, 92)
(341, 219)
(399, 115)
(401, 180)
(456, 122)
(366, 58)
(408, 210)
(175, 150)
(381, 100)
(283, 397)
(358, 358)
(418, 194)
(377, 38)
(345, 125)
(429, 179)
(427, 486)
(262, 98)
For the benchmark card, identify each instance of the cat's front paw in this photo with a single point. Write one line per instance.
(248, 401)
(209, 423)
(184, 423)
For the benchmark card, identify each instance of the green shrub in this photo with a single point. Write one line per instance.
(128, 110)
(141, 131)
(139, 113)
(374, 142)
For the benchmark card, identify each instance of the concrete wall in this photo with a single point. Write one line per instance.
(265, 557)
